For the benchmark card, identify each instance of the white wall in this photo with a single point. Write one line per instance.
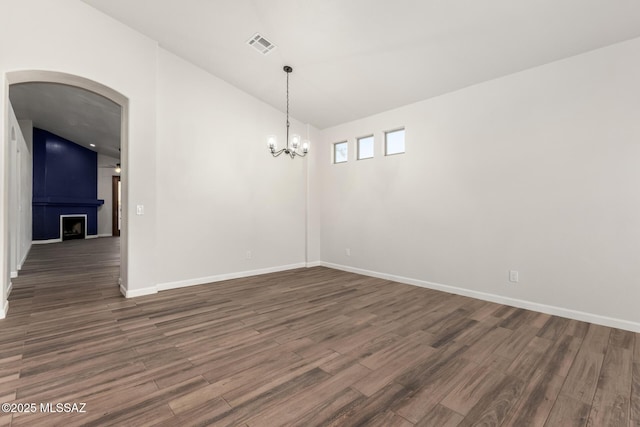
(314, 186)
(26, 191)
(71, 37)
(220, 192)
(14, 218)
(105, 174)
(13, 192)
(20, 190)
(536, 172)
(20, 194)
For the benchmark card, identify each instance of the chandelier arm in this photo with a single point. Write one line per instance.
(277, 153)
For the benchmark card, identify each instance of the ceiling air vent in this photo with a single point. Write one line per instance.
(261, 44)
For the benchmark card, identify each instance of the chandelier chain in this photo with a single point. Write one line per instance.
(287, 109)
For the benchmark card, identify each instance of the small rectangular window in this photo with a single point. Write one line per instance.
(365, 147)
(340, 152)
(394, 142)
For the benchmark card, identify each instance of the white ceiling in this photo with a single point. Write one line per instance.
(70, 112)
(351, 58)
(354, 58)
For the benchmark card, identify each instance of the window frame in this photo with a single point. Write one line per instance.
(373, 146)
(386, 141)
(334, 151)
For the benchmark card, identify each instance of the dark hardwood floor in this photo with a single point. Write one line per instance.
(305, 347)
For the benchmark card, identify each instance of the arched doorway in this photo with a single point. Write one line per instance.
(39, 76)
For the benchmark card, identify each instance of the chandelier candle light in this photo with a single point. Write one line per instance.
(290, 149)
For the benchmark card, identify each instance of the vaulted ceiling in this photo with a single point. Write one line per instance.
(354, 58)
(351, 58)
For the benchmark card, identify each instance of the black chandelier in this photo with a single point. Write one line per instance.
(292, 148)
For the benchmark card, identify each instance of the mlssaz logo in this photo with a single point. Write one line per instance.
(67, 408)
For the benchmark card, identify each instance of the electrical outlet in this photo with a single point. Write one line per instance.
(513, 276)
(139, 209)
(347, 251)
(248, 254)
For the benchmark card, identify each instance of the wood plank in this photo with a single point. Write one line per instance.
(569, 412)
(307, 400)
(328, 411)
(635, 394)
(622, 339)
(543, 385)
(367, 409)
(583, 376)
(440, 416)
(611, 403)
(429, 382)
(554, 328)
(480, 380)
(389, 419)
(597, 338)
(388, 372)
(494, 406)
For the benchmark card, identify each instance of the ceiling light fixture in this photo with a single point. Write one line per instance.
(290, 150)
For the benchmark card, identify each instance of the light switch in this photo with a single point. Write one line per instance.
(140, 209)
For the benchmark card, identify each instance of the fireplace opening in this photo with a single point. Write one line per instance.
(73, 227)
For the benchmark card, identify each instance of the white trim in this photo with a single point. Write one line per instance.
(227, 276)
(24, 258)
(314, 264)
(86, 223)
(45, 242)
(138, 292)
(104, 235)
(13, 274)
(542, 308)
(9, 288)
(4, 310)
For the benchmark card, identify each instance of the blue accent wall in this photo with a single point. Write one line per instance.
(65, 182)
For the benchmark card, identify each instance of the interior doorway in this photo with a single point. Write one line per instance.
(116, 205)
(32, 76)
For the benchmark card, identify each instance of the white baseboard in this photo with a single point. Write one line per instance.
(138, 292)
(45, 242)
(105, 235)
(9, 288)
(24, 258)
(14, 274)
(227, 276)
(542, 308)
(4, 310)
(314, 264)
